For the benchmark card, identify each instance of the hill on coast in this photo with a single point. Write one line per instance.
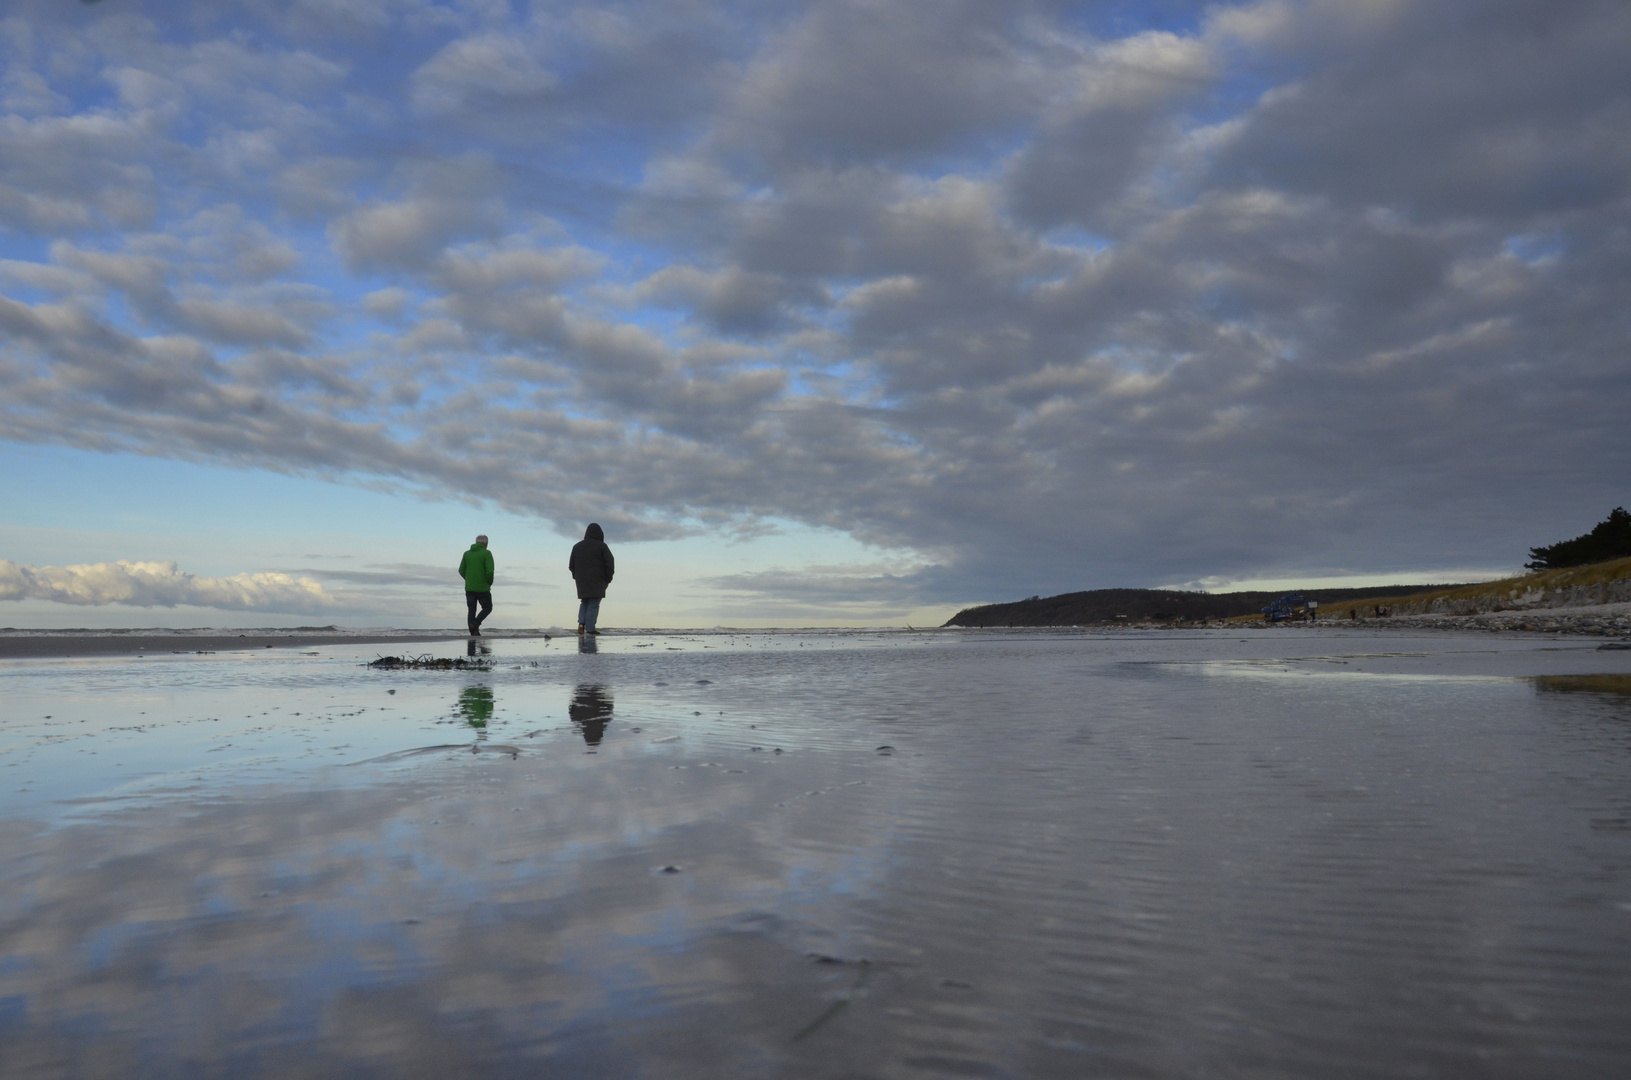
(1572, 587)
(1106, 606)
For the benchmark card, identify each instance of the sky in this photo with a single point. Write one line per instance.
(842, 313)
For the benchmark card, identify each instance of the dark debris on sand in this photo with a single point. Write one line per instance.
(428, 662)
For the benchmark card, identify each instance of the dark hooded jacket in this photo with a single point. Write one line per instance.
(591, 564)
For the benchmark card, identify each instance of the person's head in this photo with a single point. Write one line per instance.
(482, 539)
(593, 532)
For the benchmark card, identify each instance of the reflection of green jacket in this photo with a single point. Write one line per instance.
(477, 569)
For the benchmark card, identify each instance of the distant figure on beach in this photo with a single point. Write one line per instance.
(477, 570)
(591, 565)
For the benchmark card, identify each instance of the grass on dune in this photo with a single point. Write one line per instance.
(1504, 589)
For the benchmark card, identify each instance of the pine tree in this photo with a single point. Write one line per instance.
(1611, 539)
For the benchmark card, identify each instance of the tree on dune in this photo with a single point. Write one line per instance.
(1610, 539)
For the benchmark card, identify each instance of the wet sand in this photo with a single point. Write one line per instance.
(1241, 853)
(65, 645)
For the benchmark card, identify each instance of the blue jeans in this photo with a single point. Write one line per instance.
(471, 599)
(588, 612)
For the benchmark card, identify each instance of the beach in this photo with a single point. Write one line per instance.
(1612, 621)
(66, 644)
(823, 854)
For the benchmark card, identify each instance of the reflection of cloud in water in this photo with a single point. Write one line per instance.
(473, 915)
(591, 711)
(1068, 851)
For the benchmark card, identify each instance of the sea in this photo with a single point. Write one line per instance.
(1256, 853)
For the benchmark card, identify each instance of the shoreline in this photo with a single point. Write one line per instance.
(1611, 621)
(1592, 620)
(60, 646)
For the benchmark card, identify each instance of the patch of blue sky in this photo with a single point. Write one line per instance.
(86, 91)
(65, 488)
(1133, 361)
(22, 292)
(25, 247)
(380, 66)
(1239, 90)
(587, 205)
(822, 383)
(981, 155)
(1536, 248)
(1079, 239)
(116, 313)
(1125, 18)
(868, 387)
(1228, 304)
(354, 333)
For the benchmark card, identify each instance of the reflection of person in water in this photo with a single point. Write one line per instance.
(476, 706)
(591, 711)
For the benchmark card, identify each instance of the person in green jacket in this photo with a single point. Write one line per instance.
(477, 570)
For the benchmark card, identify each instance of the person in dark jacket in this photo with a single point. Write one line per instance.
(591, 565)
(477, 570)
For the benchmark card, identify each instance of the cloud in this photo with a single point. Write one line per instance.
(1091, 145)
(410, 574)
(406, 233)
(161, 584)
(1045, 297)
(822, 592)
(731, 301)
(852, 82)
(486, 72)
(1454, 112)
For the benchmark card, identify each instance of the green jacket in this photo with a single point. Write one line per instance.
(477, 569)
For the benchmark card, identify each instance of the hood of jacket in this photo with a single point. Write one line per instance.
(593, 532)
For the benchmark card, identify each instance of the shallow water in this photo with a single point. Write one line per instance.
(1265, 854)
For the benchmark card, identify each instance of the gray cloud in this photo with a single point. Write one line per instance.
(1491, 114)
(1265, 288)
(820, 592)
(852, 82)
(479, 74)
(1094, 144)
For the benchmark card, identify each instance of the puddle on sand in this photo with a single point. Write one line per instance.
(975, 854)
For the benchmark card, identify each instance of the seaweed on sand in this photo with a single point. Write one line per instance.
(427, 662)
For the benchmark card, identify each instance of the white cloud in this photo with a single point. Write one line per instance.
(162, 584)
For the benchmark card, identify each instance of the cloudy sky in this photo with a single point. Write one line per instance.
(835, 312)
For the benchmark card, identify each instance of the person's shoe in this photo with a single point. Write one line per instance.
(596, 633)
(580, 629)
(475, 631)
(470, 628)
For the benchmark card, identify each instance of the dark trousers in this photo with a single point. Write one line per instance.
(471, 599)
